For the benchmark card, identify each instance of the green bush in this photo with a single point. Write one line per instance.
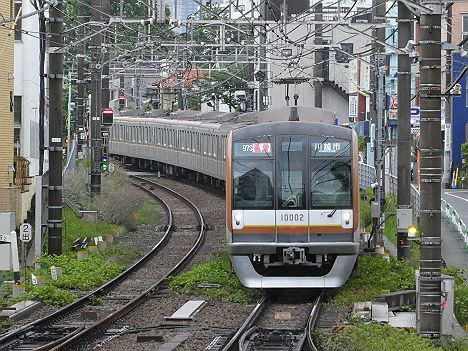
(85, 274)
(48, 293)
(359, 336)
(217, 271)
(372, 277)
(74, 228)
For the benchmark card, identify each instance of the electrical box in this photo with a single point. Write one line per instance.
(446, 302)
(375, 209)
(404, 219)
(7, 225)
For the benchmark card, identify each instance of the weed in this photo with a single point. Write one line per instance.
(5, 323)
(75, 228)
(48, 293)
(360, 336)
(372, 277)
(85, 274)
(96, 301)
(148, 214)
(217, 271)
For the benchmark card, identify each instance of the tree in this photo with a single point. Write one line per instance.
(222, 85)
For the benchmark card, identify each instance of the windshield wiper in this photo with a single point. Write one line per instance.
(332, 212)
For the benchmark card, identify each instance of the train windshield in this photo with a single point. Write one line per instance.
(330, 183)
(253, 184)
(291, 172)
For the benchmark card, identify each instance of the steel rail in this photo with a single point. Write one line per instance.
(312, 321)
(130, 306)
(249, 321)
(12, 338)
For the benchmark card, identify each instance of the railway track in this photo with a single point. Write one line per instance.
(250, 336)
(68, 326)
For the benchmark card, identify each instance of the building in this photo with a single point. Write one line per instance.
(26, 101)
(459, 104)
(10, 193)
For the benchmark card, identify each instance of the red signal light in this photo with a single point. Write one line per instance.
(107, 116)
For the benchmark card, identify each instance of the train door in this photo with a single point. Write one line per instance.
(292, 218)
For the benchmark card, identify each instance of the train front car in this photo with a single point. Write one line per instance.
(292, 202)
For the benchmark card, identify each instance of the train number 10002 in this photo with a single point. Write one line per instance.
(292, 217)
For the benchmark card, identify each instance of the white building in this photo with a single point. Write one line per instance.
(26, 94)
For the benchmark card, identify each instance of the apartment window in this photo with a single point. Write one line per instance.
(465, 30)
(18, 23)
(17, 141)
(18, 110)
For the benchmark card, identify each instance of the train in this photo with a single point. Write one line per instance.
(292, 187)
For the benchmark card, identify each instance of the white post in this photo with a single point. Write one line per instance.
(14, 256)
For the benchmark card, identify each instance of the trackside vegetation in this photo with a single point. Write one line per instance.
(215, 272)
(361, 336)
(374, 276)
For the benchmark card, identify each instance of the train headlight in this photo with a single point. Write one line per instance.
(346, 217)
(237, 218)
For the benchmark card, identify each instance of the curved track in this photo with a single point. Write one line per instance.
(68, 325)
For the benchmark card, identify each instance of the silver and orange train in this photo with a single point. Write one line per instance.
(292, 202)
(291, 187)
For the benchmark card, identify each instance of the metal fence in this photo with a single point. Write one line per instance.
(367, 177)
(456, 223)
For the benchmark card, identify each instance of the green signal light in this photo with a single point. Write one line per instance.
(104, 166)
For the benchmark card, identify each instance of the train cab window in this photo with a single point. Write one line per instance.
(330, 173)
(291, 172)
(253, 184)
(253, 166)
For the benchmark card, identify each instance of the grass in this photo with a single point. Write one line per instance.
(148, 213)
(360, 336)
(217, 271)
(374, 276)
(74, 228)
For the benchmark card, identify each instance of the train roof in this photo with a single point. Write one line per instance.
(230, 120)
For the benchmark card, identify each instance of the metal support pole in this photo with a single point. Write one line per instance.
(95, 111)
(379, 154)
(318, 74)
(55, 77)
(404, 133)
(429, 318)
(69, 119)
(105, 97)
(38, 221)
(448, 108)
(80, 82)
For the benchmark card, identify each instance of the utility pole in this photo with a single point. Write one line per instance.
(95, 111)
(429, 279)
(448, 107)
(80, 82)
(404, 211)
(55, 77)
(318, 73)
(377, 115)
(379, 152)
